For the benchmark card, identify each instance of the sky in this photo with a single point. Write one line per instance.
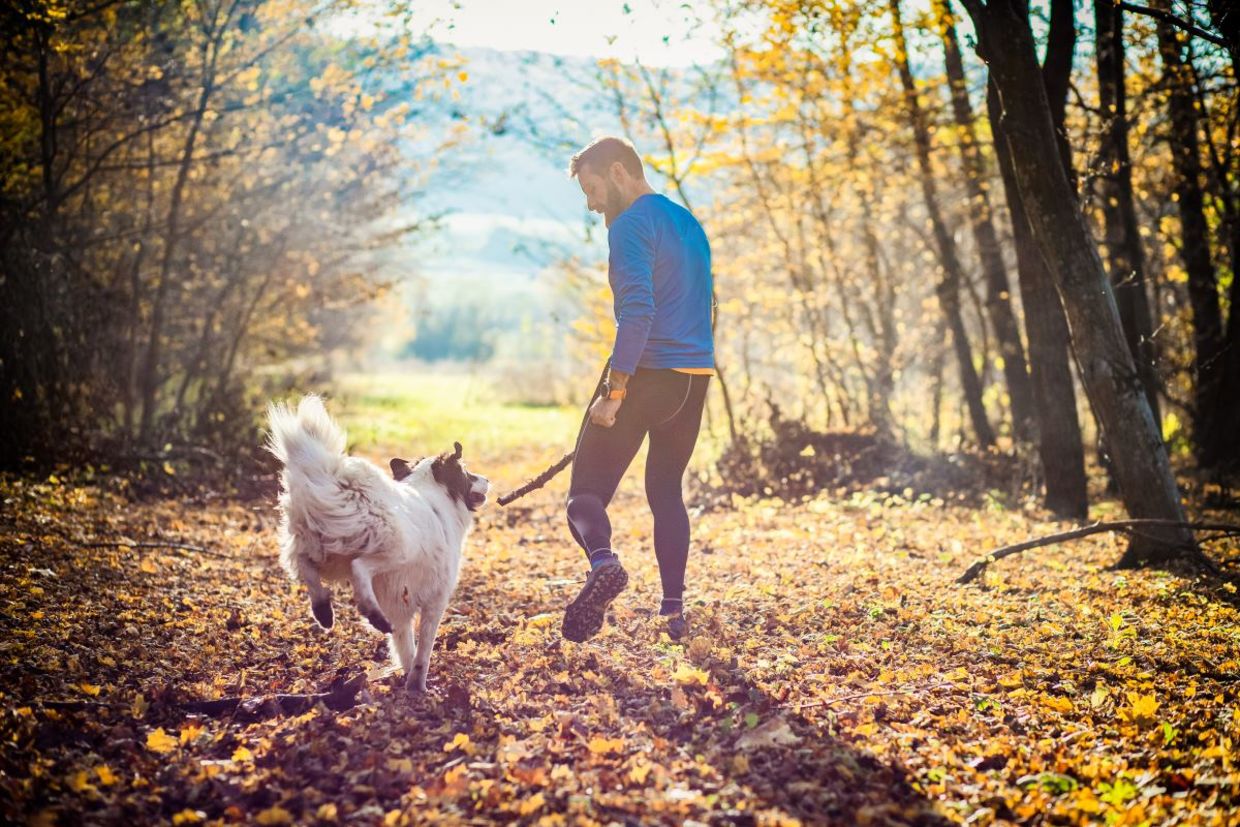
(510, 209)
(658, 32)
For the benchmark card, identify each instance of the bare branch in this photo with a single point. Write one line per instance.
(1167, 17)
(1126, 526)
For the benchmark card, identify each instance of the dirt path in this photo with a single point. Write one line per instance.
(836, 674)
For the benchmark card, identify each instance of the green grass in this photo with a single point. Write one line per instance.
(418, 414)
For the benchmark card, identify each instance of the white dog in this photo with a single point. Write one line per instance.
(398, 541)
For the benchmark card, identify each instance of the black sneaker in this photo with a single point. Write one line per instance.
(584, 616)
(677, 626)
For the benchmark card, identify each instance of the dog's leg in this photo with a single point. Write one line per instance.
(428, 627)
(362, 577)
(402, 645)
(320, 595)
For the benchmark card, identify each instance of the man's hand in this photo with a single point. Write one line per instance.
(603, 411)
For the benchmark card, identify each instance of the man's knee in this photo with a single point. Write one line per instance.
(583, 506)
(665, 494)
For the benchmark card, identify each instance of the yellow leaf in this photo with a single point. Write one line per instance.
(160, 741)
(169, 470)
(189, 732)
(686, 675)
(188, 816)
(601, 746)
(274, 815)
(106, 777)
(326, 812)
(148, 566)
(400, 765)
(639, 772)
(79, 783)
(532, 804)
(242, 754)
(1140, 709)
(1012, 680)
(90, 689)
(139, 706)
(1056, 702)
(461, 742)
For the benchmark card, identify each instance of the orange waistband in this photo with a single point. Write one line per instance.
(696, 371)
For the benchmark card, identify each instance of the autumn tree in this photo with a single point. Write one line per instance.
(1060, 446)
(1142, 467)
(189, 192)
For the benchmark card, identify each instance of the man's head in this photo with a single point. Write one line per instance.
(610, 175)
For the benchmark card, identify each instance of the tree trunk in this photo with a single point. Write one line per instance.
(998, 290)
(948, 290)
(1142, 469)
(1123, 242)
(1209, 420)
(150, 375)
(1060, 446)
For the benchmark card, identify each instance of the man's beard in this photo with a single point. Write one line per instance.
(614, 204)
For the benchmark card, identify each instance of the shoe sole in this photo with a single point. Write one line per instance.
(583, 619)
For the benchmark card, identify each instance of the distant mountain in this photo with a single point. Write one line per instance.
(510, 207)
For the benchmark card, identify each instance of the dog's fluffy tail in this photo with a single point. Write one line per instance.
(307, 440)
(316, 517)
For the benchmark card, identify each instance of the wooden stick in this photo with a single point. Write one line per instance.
(1129, 526)
(539, 481)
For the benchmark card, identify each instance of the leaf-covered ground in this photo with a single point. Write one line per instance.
(836, 674)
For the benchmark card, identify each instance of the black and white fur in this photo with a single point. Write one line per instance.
(398, 541)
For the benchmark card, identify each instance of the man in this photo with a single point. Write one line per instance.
(662, 361)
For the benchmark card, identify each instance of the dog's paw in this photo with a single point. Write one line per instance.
(379, 622)
(323, 613)
(415, 689)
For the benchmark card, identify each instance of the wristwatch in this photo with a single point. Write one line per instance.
(613, 393)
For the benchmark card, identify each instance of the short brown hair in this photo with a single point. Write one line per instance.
(603, 152)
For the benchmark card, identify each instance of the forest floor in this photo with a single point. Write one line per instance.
(835, 672)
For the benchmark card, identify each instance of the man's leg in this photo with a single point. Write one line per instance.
(602, 457)
(671, 446)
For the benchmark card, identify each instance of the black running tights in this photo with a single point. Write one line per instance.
(666, 405)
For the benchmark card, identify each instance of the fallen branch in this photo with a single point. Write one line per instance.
(78, 706)
(912, 691)
(338, 698)
(1126, 526)
(153, 543)
(539, 481)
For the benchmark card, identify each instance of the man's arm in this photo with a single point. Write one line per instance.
(632, 275)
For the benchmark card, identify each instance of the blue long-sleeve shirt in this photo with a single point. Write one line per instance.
(659, 269)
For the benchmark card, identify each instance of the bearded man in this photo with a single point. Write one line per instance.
(655, 384)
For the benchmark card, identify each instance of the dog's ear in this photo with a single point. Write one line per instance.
(400, 468)
(457, 446)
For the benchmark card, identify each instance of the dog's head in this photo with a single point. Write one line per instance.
(450, 472)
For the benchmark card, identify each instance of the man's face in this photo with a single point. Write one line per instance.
(602, 195)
